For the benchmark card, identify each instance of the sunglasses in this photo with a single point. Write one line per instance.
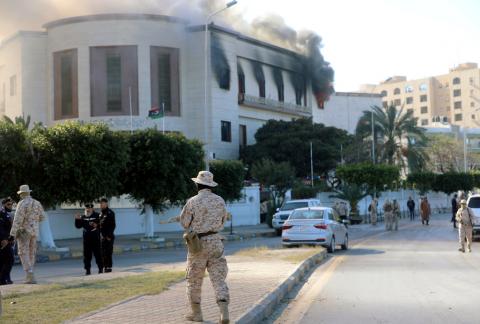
(89, 206)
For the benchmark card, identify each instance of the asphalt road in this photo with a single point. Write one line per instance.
(415, 275)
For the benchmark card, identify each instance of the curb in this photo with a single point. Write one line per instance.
(266, 306)
(47, 256)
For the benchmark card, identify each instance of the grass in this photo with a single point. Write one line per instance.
(295, 255)
(59, 302)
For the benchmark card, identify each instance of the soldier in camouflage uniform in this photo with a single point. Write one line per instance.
(388, 210)
(205, 214)
(395, 215)
(464, 219)
(25, 230)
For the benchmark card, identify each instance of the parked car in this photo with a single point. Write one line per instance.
(474, 203)
(316, 226)
(283, 212)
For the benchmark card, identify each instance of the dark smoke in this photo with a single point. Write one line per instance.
(260, 77)
(220, 66)
(278, 77)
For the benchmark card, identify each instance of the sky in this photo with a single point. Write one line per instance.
(365, 41)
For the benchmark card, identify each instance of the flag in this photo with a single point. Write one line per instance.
(155, 113)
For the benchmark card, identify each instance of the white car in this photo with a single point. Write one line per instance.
(283, 212)
(317, 226)
(473, 202)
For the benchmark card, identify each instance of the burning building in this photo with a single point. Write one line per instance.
(114, 68)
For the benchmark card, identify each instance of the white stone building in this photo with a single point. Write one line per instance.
(116, 67)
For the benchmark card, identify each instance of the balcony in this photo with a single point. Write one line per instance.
(273, 105)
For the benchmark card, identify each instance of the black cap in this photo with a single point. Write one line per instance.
(89, 205)
(104, 199)
(7, 200)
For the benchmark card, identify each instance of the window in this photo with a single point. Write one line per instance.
(300, 88)
(456, 81)
(385, 104)
(408, 89)
(473, 116)
(409, 100)
(241, 83)
(242, 135)
(65, 84)
(13, 85)
(424, 122)
(423, 87)
(458, 117)
(457, 105)
(278, 77)
(397, 102)
(384, 93)
(226, 131)
(457, 93)
(114, 80)
(410, 111)
(471, 80)
(423, 98)
(472, 104)
(165, 80)
(445, 119)
(396, 91)
(424, 110)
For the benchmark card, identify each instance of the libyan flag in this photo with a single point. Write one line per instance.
(155, 113)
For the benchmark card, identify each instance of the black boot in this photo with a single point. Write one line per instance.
(100, 270)
(87, 272)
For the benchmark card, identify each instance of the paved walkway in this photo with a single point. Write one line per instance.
(263, 275)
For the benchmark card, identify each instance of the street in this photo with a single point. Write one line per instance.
(415, 275)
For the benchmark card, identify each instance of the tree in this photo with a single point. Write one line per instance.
(397, 136)
(374, 176)
(159, 171)
(423, 181)
(352, 193)
(230, 176)
(446, 155)
(278, 177)
(276, 140)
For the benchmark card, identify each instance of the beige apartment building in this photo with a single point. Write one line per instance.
(452, 98)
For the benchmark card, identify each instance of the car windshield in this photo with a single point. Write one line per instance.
(294, 205)
(474, 202)
(307, 214)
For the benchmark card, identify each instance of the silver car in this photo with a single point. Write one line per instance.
(315, 225)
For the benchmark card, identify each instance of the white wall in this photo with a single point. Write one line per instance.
(10, 65)
(129, 221)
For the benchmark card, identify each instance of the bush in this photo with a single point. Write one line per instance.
(229, 174)
(375, 176)
(302, 191)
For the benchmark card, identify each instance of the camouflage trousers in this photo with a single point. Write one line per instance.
(373, 218)
(27, 251)
(212, 259)
(388, 220)
(465, 233)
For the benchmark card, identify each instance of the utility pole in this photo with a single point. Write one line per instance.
(311, 162)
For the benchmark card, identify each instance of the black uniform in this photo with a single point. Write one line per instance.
(454, 211)
(107, 227)
(6, 253)
(91, 240)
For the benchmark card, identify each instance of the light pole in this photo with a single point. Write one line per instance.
(373, 138)
(205, 103)
(465, 142)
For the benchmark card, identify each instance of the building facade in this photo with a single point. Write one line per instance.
(114, 68)
(452, 98)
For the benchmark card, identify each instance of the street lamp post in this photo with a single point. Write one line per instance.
(373, 138)
(205, 104)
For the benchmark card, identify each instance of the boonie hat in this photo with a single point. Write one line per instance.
(205, 178)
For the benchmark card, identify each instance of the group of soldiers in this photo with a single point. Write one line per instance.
(391, 211)
(98, 236)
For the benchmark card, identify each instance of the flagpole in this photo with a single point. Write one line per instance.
(163, 117)
(131, 111)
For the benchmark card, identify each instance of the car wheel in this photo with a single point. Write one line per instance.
(331, 248)
(278, 231)
(345, 244)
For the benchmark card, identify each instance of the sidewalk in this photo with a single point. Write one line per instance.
(250, 280)
(134, 243)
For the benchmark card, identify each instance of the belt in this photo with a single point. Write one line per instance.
(200, 235)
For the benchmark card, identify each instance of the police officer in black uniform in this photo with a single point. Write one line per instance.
(107, 227)
(6, 242)
(90, 222)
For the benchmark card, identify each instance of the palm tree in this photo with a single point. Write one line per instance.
(353, 194)
(398, 139)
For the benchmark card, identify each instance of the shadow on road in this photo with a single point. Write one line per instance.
(361, 251)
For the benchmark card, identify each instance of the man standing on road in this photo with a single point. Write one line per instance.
(6, 244)
(342, 211)
(25, 230)
(107, 227)
(372, 208)
(454, 210)
(388, 210)
(465, 226)
(395, 215)
(90, 222)
(425, 211)
(205, 215)
(411, 208)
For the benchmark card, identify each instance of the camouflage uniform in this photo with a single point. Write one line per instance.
(206, 213)
(388, 211)
(465, 227)
(395, 215)
(28, 215)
